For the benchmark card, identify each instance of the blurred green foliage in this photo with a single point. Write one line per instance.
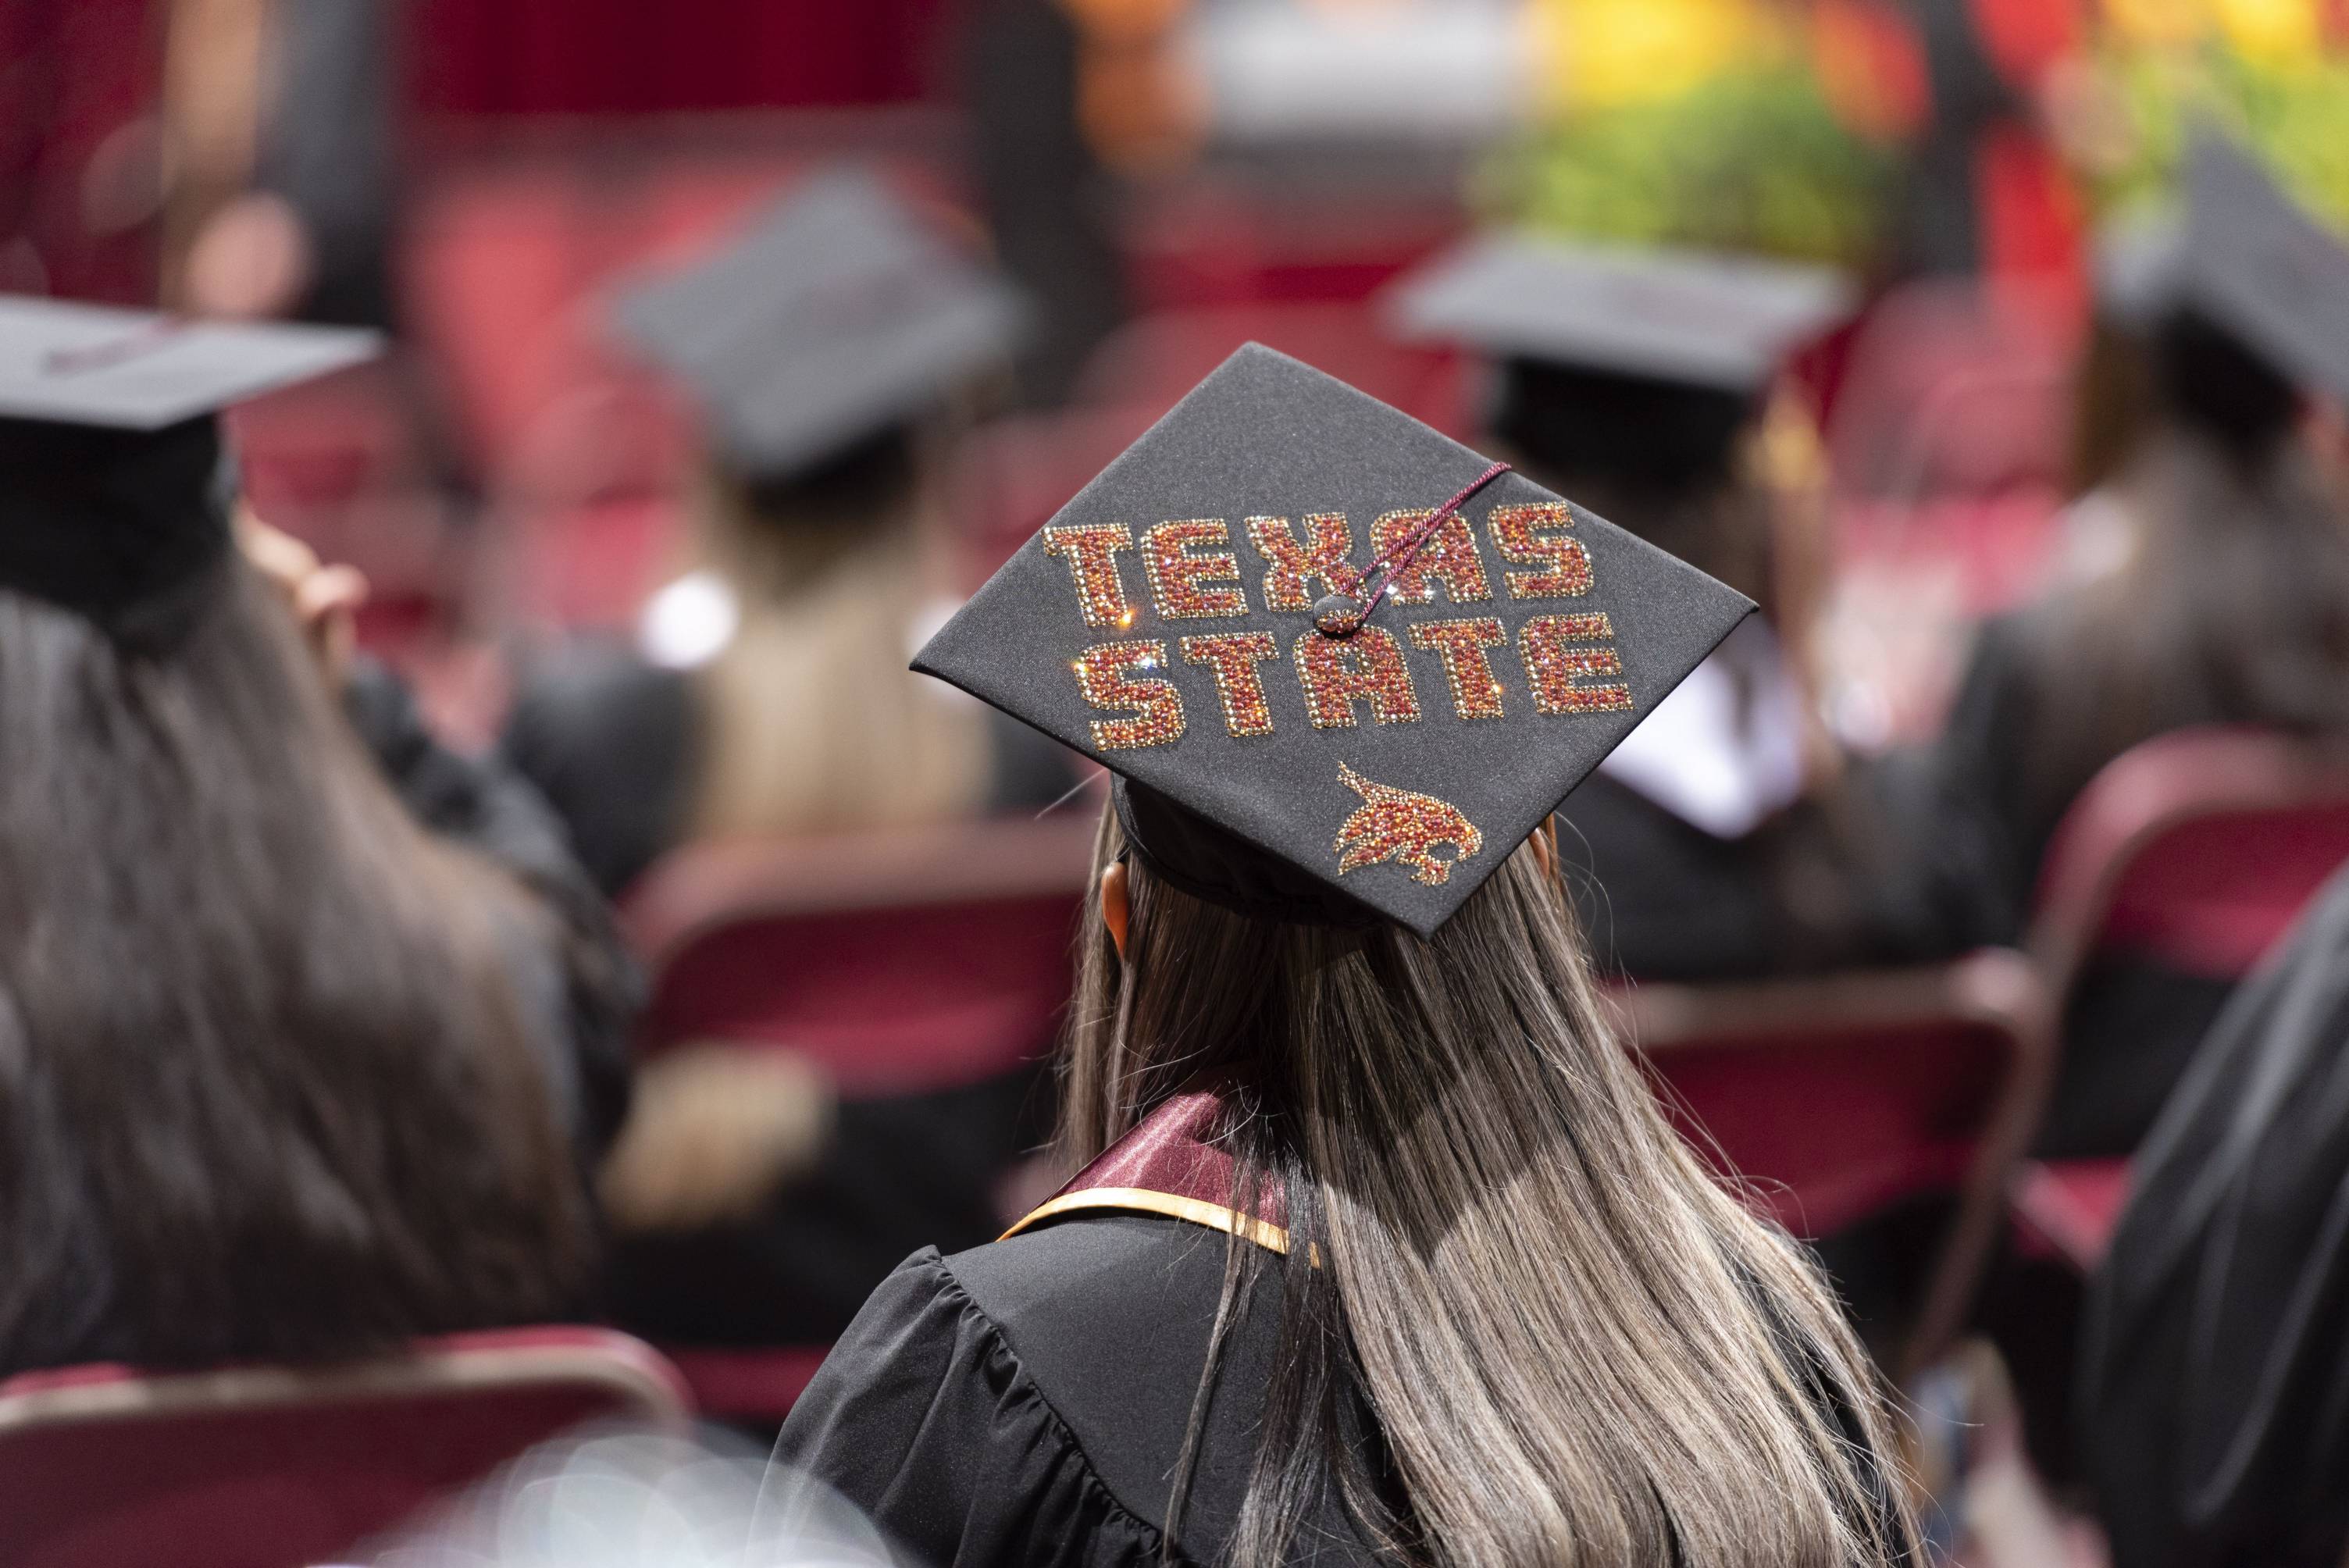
(1753, 162)
(2296, 113)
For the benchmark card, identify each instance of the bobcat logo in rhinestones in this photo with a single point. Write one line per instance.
(1399, 825)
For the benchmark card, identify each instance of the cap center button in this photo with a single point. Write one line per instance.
(1336, 615)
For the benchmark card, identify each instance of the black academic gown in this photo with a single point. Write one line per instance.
(2215, 1359)
(1660, 898)
(1026, 1402)
(1664, 900)
(582, 996)
(613, 742)
(895, 1171)
(1796, 890)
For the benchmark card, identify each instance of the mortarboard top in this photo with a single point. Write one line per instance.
(838, 315)
(1164, 623)
(114, 494)
(135, 370)
(1708, 320)
(2259, 265)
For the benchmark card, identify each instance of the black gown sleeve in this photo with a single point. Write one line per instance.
(925, 1418)
(611, 743)
(1966, 807)
(490, 809)
(2214, 1353)
(1821, 885)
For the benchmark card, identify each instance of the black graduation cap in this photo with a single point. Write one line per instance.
(840, 315)
(114, 489)
(1206, 619)
(1638, 361)
(2259, 265)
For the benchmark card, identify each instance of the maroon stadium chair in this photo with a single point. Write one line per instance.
(2198, 849)
(900, 962)
(1839, 1096)
(265, 1466)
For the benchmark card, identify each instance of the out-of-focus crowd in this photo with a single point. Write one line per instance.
(473, 855)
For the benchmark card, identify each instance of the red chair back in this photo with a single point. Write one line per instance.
(900, 962)
(2198, 847)
(259, 1467)
(1836, 1096)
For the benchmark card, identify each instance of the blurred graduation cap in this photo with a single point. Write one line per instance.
(2244, 257)
(1340, 665)
(2241, 301)
(1642, 362)
(115, 492)
(104, 369)
(2259, 267)
(840, 317)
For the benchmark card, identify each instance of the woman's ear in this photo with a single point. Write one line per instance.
(1115, 911)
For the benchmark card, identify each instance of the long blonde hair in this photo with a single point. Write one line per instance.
(815, 725)
(1578, 1348)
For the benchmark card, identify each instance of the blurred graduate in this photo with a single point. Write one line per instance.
(829, 351)
(1727, 837)
(2208, 583)
(310, 1031)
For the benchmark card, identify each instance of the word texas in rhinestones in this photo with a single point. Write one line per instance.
(1570, 664)
(1401, 825)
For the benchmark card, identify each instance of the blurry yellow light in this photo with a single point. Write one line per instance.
(2278, 30)
(1624, 51)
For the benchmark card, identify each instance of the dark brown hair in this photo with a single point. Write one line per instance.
(266, 1086)
(1576, 1347)
(2233, 605)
